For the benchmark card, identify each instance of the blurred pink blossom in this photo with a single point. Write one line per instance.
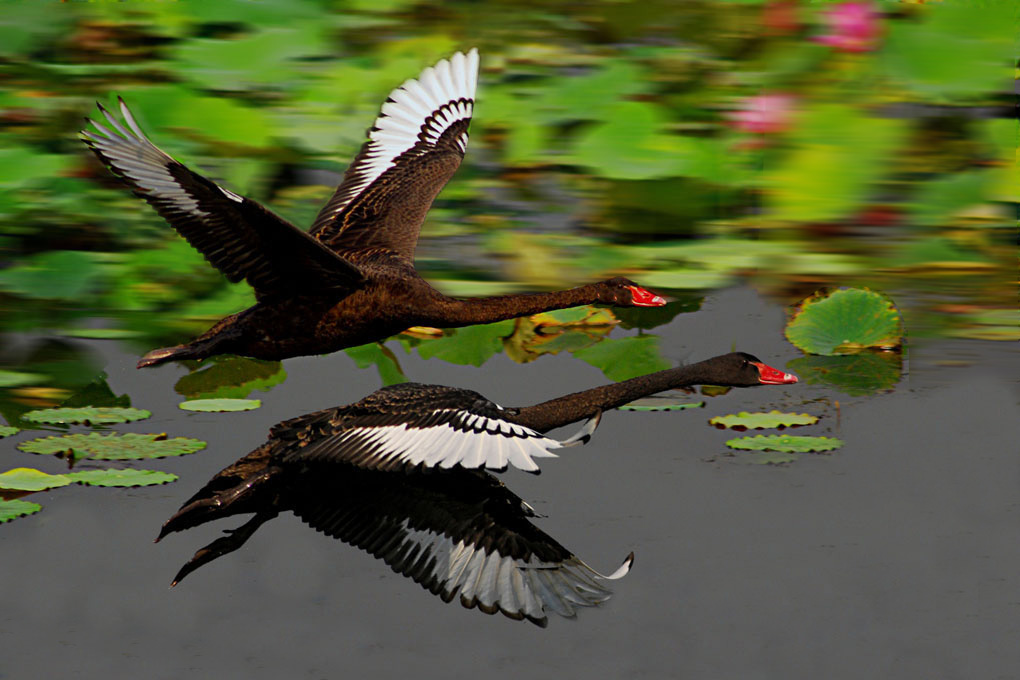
(852, 27)
(764, 114)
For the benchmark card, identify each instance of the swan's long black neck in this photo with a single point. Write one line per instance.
(573, 407)
(451, 312)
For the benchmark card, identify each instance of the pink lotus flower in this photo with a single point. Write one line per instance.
(764, 114)
(852, 27)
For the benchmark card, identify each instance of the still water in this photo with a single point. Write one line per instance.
(893, 557)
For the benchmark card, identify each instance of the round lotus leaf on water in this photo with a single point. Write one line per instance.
(845, 321)
(121, 477)
(785, 443)
(114, 446)
(30, 479)
(660, 404)
(89, 415)
(17, 508)
(220, 404)
(761, 421)
(7, 431)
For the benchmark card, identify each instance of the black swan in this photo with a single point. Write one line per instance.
(351, 279)
(436, 437)
(457, 533)
(434, 426)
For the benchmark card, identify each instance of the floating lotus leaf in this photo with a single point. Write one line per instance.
(660, 404)
(553, 333)
(230, 377)
(856, 374)
(113, 446)
(382, 357)
(473, 345)
(626, 357)
(7, 431)
(17, 378)
(121, 477)
(575, 316)
(785, 443)
(845, 321)
(30, 479)
(221, 405)
(89, 415)
(16, 508)
(761, 421)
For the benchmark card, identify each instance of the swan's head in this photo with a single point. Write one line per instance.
(626, 293)
(748, 370)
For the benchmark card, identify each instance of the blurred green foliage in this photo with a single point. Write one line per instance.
(609, 138)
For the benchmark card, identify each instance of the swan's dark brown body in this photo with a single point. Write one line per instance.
(351, 278)
(395, 297)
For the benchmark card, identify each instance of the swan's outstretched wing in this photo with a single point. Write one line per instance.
(459, 534)
(415, 146)
(235, 234)
(412, 424)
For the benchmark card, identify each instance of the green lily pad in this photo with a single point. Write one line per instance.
(856, 374)
(121, 477)
(30, 479)
(17, 508)
(7, 431)
(785, 443)
(89, 415)
(625, 358)
(473, 345)
(230, 377)
(220, 405)
(378, 355)
(18, 378)
(845, 321)
(113, 446)
(761, 421)
(660, 404)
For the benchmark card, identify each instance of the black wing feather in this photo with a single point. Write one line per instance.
(236, 235)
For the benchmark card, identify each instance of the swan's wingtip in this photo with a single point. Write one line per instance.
(623, 570)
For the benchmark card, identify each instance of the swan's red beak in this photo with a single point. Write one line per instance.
(773, 376)
(645, 298)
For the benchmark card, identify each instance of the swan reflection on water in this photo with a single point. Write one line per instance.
(458, 533)
(400, 475)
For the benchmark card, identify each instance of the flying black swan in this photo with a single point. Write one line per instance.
(397, 474)
(350, 279)
(416, 428)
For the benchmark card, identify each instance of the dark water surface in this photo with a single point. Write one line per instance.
(896, 557)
